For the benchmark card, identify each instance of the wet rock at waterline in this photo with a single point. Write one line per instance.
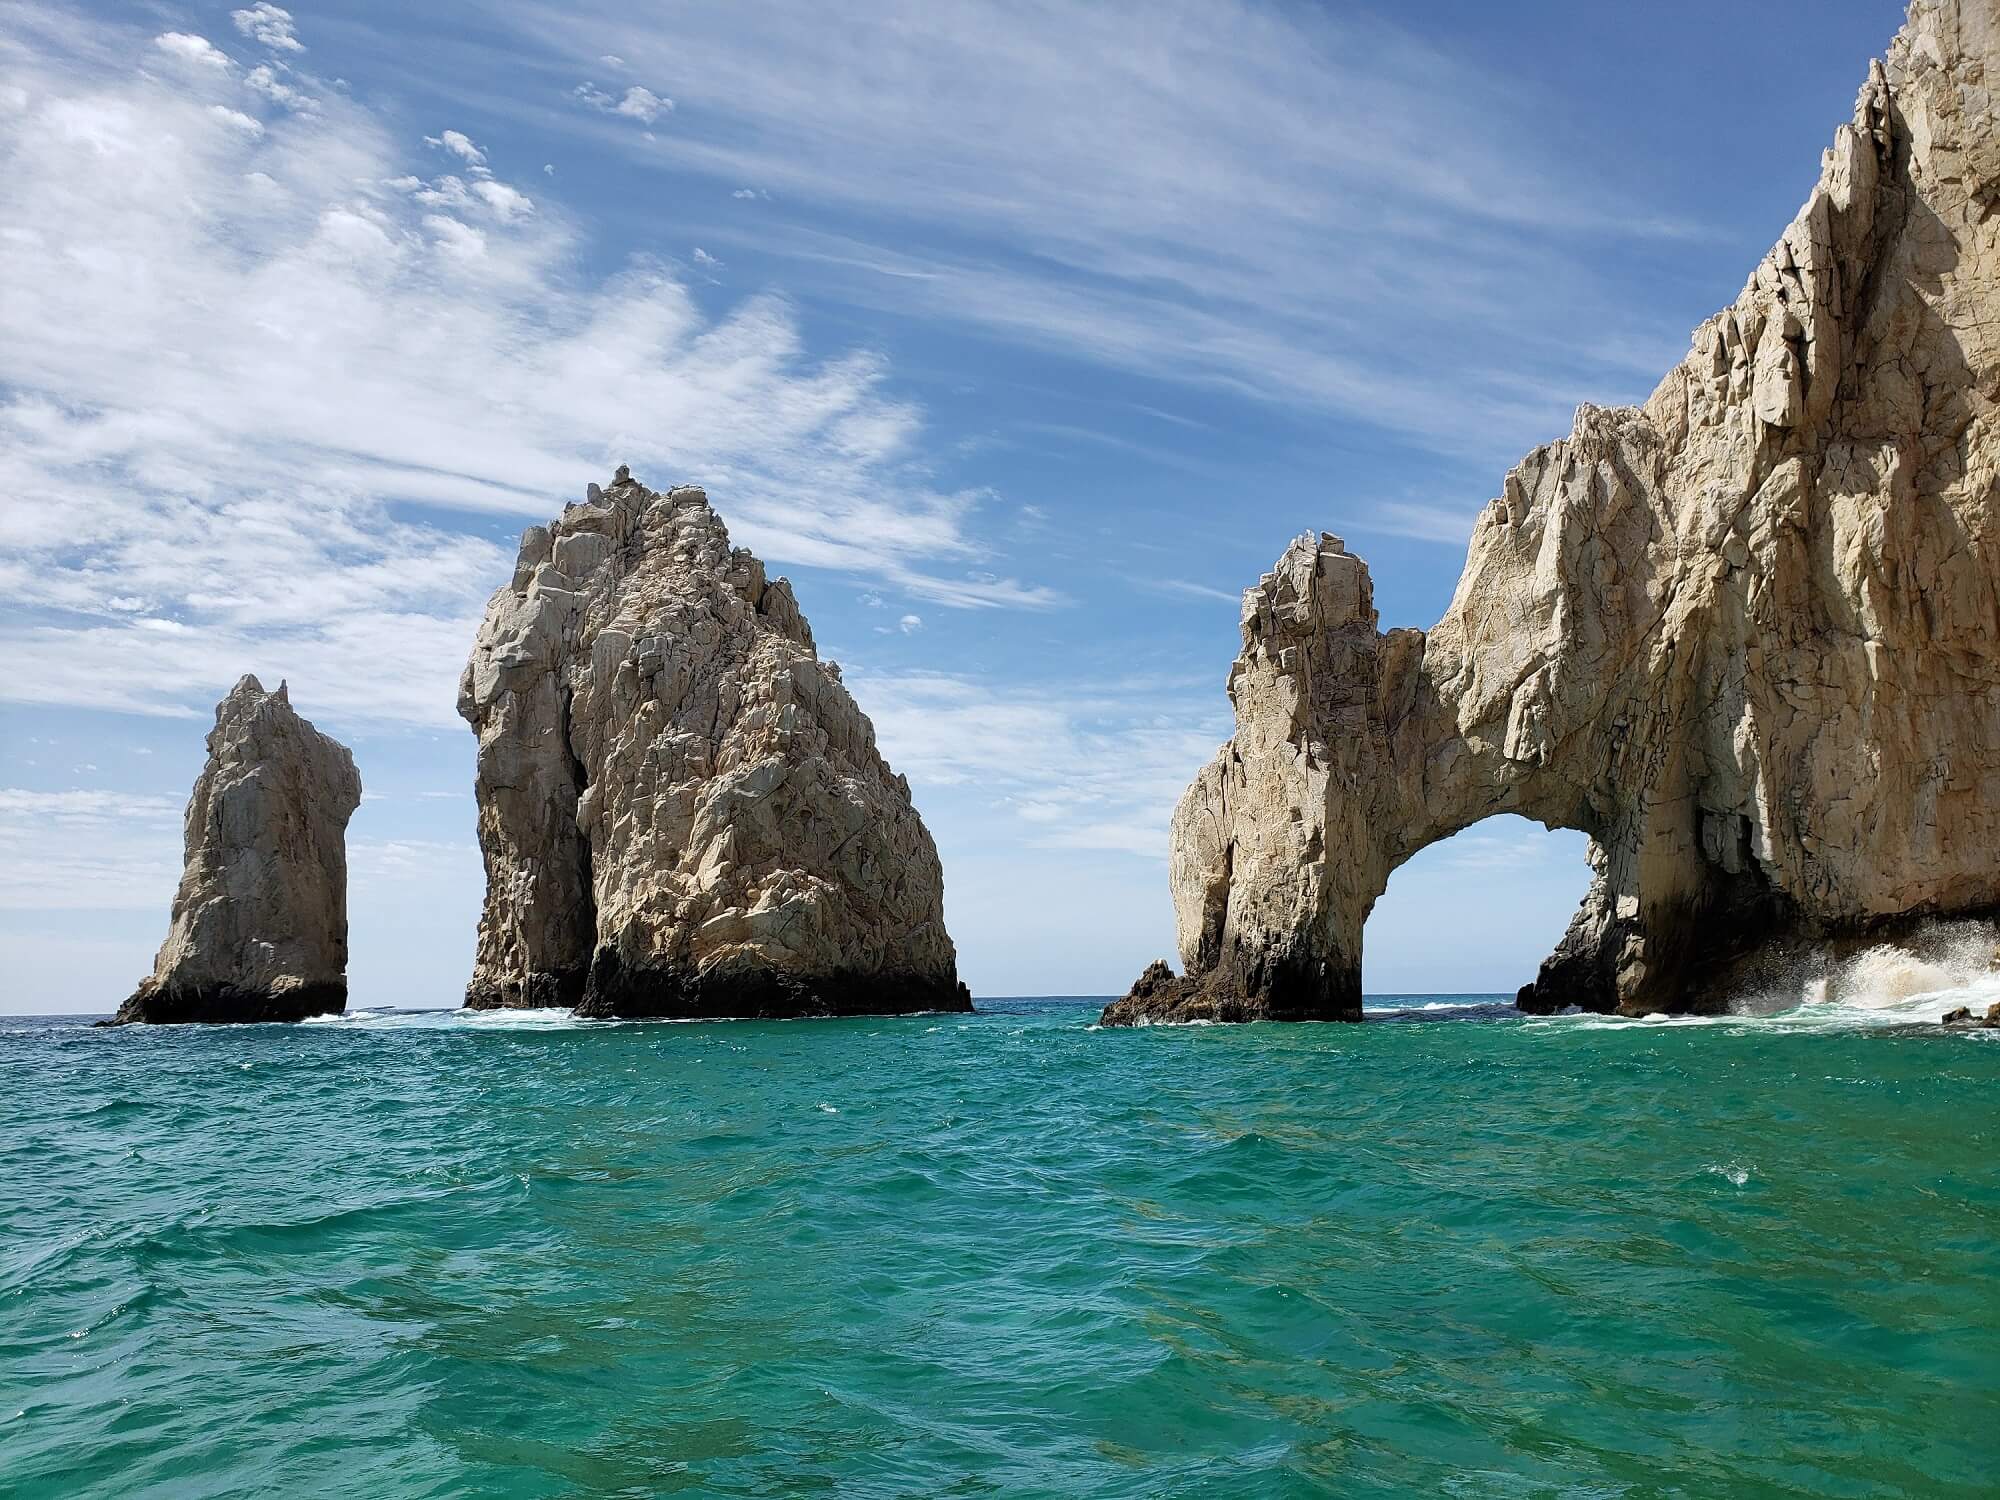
(682, 809)
(1746, 636)
(259, 927)
(1963, 1016)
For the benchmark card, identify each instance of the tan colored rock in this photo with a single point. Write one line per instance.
(682, 810)
(260, 920)
(1745, 636)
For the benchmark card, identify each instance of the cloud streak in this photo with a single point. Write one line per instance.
(1304, 208)
(1096, 766)
(239, 389)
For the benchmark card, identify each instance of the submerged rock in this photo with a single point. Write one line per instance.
(260, 920)
(1746, 636)
(1962, 1016)
(682, 810)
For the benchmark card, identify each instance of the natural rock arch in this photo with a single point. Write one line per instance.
(1746, 637)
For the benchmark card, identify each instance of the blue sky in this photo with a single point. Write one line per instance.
(1021, 337)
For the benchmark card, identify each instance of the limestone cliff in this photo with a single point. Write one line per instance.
(1745, 636)
(260, 920)
(682, 810)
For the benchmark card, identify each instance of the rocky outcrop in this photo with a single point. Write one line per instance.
(1746, 636)
(260, 920)
(1963, 1016)
(682, 810)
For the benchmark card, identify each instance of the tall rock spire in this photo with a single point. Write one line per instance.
(259, 928)
(682, 810)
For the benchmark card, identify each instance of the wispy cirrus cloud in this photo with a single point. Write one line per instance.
(1319, 210)
(86, 848)
(1097, 764)
(269, 26)
(239, 388)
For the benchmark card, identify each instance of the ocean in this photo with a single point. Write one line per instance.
(1451, 1251)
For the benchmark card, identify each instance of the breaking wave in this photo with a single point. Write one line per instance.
(1917, 982)
(397, 1018)
(1941, 968)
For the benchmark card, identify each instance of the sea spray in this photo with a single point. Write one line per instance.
(1919, 978)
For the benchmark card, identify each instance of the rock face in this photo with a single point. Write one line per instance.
(260, 921)
(1746, 636)
(682, 810)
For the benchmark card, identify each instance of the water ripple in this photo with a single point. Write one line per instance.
(426, 1254)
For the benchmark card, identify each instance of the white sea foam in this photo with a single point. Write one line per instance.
(1917, 982)
(394, 1018)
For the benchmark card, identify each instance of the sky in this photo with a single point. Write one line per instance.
(1022, 337)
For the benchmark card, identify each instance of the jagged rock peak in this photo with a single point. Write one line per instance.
(1745, 636)
(259, 928)
(682, 810)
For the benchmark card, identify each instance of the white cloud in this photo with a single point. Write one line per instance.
(82, 805)
(1446, 525)
(1189, 589)
(459, 241)
(643, 105)
(1333, 203)
(703, 258)
(636, 103)
(225, 385)
(508, 202)
(460, 145)
(264, 80)
(746, 192)
(236, 119)
(86, 849)
(1096, 765)
(196, 50)
(267, 24)
(377, 861)
(910, 624)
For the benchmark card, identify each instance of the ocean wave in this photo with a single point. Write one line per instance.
(1917, 982)
(396, 1018)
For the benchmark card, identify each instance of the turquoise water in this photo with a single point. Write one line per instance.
(1463, 1253)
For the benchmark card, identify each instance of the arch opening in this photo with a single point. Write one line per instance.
(1472, 915)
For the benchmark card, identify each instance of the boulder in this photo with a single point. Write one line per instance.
(259, 928)
(1746, 636)
(682, 810)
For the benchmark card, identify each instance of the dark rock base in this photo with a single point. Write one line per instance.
(556, 991)
(617, 991)
(1715, 957)
(227, 1005)
(1164, 998)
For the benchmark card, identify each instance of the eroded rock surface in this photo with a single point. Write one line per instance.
(1744, 636)
(682, 810)
(260, 920)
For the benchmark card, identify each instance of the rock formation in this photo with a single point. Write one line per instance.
(1746, 636)
(1963, 1016)
(260, 920)
(682, 810)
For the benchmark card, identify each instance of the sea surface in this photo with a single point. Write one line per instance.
(1449, 1252)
